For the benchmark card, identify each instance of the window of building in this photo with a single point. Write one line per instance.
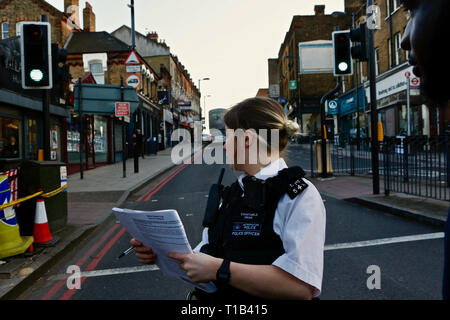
(9, 138)
(398, 48)
(96, 68)
(395, 4)
(392, 8)
(377, 61)
(390, 53)
(5, 30)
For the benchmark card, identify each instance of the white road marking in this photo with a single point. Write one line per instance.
(107, 272)
(379, 242)
(181, 198)
(348, 245)
(154, 200)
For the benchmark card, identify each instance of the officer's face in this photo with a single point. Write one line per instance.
(424, 37)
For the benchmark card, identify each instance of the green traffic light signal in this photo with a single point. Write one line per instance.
(36, 75)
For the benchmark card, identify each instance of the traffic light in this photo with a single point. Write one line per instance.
(36, 55)
(359, 39)
(342, 54)
(60, 69)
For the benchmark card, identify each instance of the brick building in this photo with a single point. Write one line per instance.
(303, 100)
(12, 12)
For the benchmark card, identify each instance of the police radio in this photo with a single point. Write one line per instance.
(212, 208)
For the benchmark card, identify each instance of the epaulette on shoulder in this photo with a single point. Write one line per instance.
(296, 184)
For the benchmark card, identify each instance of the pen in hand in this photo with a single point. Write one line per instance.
(126, 252)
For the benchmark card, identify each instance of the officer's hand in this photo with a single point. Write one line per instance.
(200, 268)
(144, 254)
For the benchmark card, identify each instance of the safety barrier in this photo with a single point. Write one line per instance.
(37, 194)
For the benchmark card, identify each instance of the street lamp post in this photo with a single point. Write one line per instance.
(199, 83)
(206, 111)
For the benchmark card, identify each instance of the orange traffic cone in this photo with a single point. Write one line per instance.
(41, 232)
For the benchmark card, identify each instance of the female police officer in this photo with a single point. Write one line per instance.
(267, 239)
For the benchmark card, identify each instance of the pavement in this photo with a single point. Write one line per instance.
(90, 202)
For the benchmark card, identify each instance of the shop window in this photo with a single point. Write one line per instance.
(32, 147)
(55, 142)
(9, 138)
(101, 139)
(5, 30)
(73, 143)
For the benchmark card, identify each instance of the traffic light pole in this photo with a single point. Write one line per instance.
(46, 123)
(46, 114)
(374, 111)
(323, 125)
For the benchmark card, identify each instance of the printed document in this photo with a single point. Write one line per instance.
(164, 232)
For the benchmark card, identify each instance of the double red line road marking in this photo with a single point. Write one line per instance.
(146, 197)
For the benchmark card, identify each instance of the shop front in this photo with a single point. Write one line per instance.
(21, 132)
(21, 116)
(94, 130)
(349, 114)
(401, 108)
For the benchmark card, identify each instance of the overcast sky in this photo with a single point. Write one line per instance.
(228, 41)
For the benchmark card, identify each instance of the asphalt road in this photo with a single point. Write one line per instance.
(409, 268)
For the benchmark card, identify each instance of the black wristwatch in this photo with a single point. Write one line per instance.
(223, 274)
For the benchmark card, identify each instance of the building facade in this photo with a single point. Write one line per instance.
(21, 111)
(301, 93)
(179, 96)
(394, 89)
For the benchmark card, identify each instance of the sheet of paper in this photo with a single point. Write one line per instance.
(164, 232)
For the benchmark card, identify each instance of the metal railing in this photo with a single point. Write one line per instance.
(416, 165)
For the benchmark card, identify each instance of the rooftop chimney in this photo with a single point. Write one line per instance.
(88, 18)
(153, 36)
(319, 10)
(71, 8)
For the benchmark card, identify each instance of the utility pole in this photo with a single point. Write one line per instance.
(373, 111)
(80, 115)
(133, 36)
(124, 139)
(356, 85)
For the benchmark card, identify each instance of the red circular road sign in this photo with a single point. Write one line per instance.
(408, 74)
(415, 81)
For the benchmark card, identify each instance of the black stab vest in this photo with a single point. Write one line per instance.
(243, 229)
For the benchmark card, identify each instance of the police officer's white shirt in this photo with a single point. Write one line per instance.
(300, 223)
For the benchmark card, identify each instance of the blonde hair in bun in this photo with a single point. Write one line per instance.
(291, 127)
(262, 113)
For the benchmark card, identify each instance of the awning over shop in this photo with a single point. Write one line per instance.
(101, 99)
(347, 103)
